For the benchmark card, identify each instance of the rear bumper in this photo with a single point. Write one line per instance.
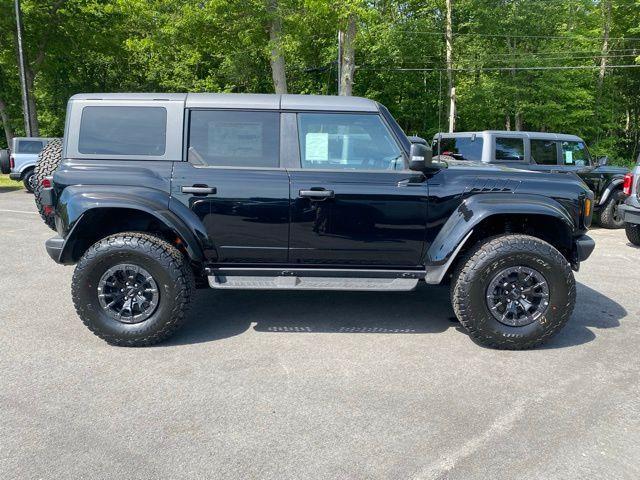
(15, 176)
(54, 248)
(630, 214)
(584, 246)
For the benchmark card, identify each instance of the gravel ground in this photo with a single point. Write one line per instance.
(312, 385)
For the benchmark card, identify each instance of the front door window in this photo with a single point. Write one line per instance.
(575, 154)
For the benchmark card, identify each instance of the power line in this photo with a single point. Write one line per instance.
(482, 69)
(507, 35)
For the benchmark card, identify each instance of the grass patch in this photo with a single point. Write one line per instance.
(7, 184)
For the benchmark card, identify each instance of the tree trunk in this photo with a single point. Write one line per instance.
(606, 19)
(348, 67)
(449, 54)
(33, 112)
(4, 117)
(507, 121)
(518, 122)
(278, 72)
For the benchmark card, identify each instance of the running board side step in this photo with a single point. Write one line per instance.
(278, 279)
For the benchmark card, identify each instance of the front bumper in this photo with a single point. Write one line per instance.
(15, 176)
(630, 214)
(583, 246)
(54, 248)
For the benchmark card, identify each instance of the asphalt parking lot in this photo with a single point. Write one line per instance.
(306, 385)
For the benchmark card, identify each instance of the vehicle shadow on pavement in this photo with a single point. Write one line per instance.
(593, 311)
(221, 314)
(217, 315)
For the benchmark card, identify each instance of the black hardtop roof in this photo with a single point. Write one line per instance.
(256, 101)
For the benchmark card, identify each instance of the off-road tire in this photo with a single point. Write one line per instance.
(608, 217)
(474, 272)
(5, 162)
(633, 233)
(27, 180)
(170, 270)
(48, 161)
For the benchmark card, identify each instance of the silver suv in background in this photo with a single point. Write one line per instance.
(546, 152)
(631, 208)
(23, 159)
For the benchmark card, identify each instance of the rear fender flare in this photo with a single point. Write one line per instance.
(471, 212)
(77, 203)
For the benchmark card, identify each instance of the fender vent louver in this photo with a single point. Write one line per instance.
(485, 185)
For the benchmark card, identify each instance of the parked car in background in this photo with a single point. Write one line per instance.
(157, 193)
(23, 159)
(548, 152)
(631, 208)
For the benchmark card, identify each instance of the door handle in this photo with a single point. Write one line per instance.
(199, 190)
(317, 194)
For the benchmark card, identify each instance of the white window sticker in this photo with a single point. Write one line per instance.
(568, 157)
(316, 147)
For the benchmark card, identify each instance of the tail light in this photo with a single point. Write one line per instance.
(46, 182)
(12, 162)
(627, 184)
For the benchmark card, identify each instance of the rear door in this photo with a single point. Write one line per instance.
(233, 182)
(353, 203)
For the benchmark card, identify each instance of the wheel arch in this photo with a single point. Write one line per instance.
(477, 218)
(86, 216)
(615, 184)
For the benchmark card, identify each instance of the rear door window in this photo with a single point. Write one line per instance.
(462, 148)
(544, 152)
(222, 138)
(29, 146)
(123, 131)
(509, 149)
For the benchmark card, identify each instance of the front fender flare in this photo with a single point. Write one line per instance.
(76, 202)
(613, 185)
(471, 212)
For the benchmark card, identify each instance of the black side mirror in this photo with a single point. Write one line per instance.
(416, 139)
(420, 157)
(602, 161)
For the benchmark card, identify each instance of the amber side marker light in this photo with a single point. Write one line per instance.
(587, 207)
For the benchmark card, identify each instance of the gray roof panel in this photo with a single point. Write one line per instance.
(258, 101)
(328, 102)
(131, 96)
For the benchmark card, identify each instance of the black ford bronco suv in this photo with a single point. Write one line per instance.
(157, 194)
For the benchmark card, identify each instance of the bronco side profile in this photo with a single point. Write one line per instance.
(159, 193)
(547, 152)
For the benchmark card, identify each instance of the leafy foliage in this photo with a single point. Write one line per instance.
(223, 46)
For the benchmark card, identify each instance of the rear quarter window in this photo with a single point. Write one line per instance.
(462, 148)
(123, 131)
(29, 146)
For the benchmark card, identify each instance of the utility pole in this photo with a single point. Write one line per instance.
(21, 63)
(340, 46)
(448, 36)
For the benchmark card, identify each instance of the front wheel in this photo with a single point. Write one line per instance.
(132, 289)
(513, 292)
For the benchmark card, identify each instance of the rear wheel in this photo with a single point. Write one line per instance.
(633, 233)
(513, 292)
(48, 161)
(132, 289)
(29, 180)
(611, 215)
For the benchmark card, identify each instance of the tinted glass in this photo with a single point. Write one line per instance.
(123, 131)
(544, 152)
(461, 148)
(575, 153)
(509, 148)
(234, 139)
(347, 141)
(29, 146)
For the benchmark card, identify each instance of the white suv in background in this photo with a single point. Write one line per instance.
(23, 159)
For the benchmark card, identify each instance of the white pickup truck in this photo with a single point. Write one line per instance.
(23, 158)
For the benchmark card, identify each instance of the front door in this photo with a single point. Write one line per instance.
(353, 203)
(233, 183)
